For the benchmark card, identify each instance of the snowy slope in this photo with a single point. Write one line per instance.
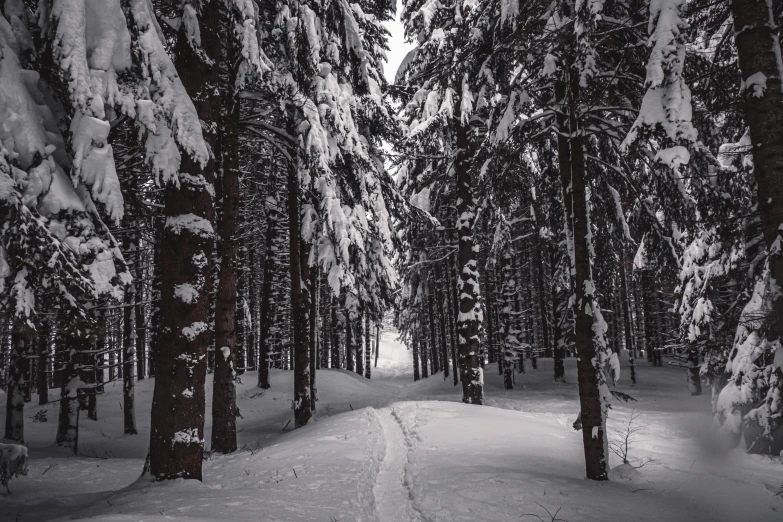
(391, 450)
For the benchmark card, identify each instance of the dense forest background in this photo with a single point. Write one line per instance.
(195, 190)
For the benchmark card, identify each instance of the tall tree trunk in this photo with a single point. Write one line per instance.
(349, 347)
(77, 342)
(224, 396)
(358, 345)
(377, 342)
(178, 403)
(267, 293)
(252, 353)
(44, 347)
(454, 302)
(335, 332)
(299, 254)
(367, 346)
(326, 326)
(593, 411)
(538, 258)
(469, 318)
(141, 323)
(313, 289)
(627, 323)
(424, 350)
(128, 343)
(128, 351)
(510, 340)
(415, 349)
(433, 335)
(101, 331)
(441, 319)
(558, 344)
(759, 55)
(157, 284)
(22, 350)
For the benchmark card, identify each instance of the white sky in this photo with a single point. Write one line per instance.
(398, 48)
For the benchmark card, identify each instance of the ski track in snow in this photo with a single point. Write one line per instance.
(392, 490)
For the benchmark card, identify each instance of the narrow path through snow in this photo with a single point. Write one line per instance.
(392, 494)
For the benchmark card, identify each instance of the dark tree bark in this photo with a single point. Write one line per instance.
(267, 304)
(758, 52)
(441, 319)
(415, 348)
(299, 254)
(454, 303)
(252, 353)
(42, 376)
(349, 343)
(224, 397)
(434, 353)
(538, 259)
(424, 350)
(313, 289)
(177, 419)
(358, 347)
(77, 343)
(141, 324)
(510, 341)
(22, 349)
(335, 333)
(377, 342)
(157, 282)
(326, 333)
(627, 324)
(594, 436)
(469, 318)
(367, 346)
(558, 347)
(128, 346)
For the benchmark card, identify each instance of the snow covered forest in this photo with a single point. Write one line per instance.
(247, 272)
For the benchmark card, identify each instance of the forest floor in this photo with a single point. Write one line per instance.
(388, 449)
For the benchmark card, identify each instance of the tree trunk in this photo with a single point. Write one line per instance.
(128, 344)
(349, 348)
(424, 350)
(335, 332)
(157, 282)
(558, 349)
(224, 396)
(141, 324)
(313, 290)
(454, 302)
(759, 52)
(627, 324)
(128, 351)
(44, 347)
(358, 345)
(377, 342)
(593, 411)
(510, 341)
(538, 256)
(267, 304)
(433, 339)
(367, 346)
(77, 342)
(441, 319)
(469, 318)
(177, 418)
(299, 254)
(22, 349)
(415, 348)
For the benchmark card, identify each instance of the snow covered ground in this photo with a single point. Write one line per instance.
(393, 450)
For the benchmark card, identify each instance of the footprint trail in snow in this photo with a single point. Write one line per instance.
(393, 497)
